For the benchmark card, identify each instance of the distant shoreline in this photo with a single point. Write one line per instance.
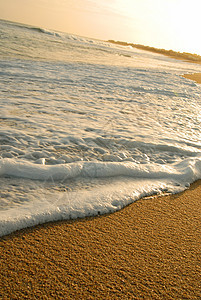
(195, 58)
(195, 77)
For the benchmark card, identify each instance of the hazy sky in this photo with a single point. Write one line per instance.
(170, 24)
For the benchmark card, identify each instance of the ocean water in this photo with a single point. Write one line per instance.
(87, 127)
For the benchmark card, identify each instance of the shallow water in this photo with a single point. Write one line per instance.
(88, 127)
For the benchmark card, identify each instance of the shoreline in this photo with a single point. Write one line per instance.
(195, 77)
(148, 250)
(185, 56)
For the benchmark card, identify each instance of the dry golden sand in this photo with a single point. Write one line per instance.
(148, 250)
(195, 77)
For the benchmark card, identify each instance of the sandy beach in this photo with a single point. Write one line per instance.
(148, 250)
(195, 77)
(87, 127)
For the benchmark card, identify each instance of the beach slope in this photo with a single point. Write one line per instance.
(148, 250)
(195, 77)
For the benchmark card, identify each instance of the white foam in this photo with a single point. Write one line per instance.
(54, 206)
(130, 182)
(186, 171)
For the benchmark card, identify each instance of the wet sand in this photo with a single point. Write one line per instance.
(195, 77)
(148, 250)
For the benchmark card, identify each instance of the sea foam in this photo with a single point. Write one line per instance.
(126, 183)
(186, 171)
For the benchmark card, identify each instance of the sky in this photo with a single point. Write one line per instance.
(169, 24)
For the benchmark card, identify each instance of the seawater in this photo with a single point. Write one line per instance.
(87, 127)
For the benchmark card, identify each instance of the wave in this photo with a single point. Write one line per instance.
(32, 28)
(186, 171)
(57, 205)
(124, 183)
(43, 30)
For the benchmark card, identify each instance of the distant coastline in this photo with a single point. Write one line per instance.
(174, 54)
